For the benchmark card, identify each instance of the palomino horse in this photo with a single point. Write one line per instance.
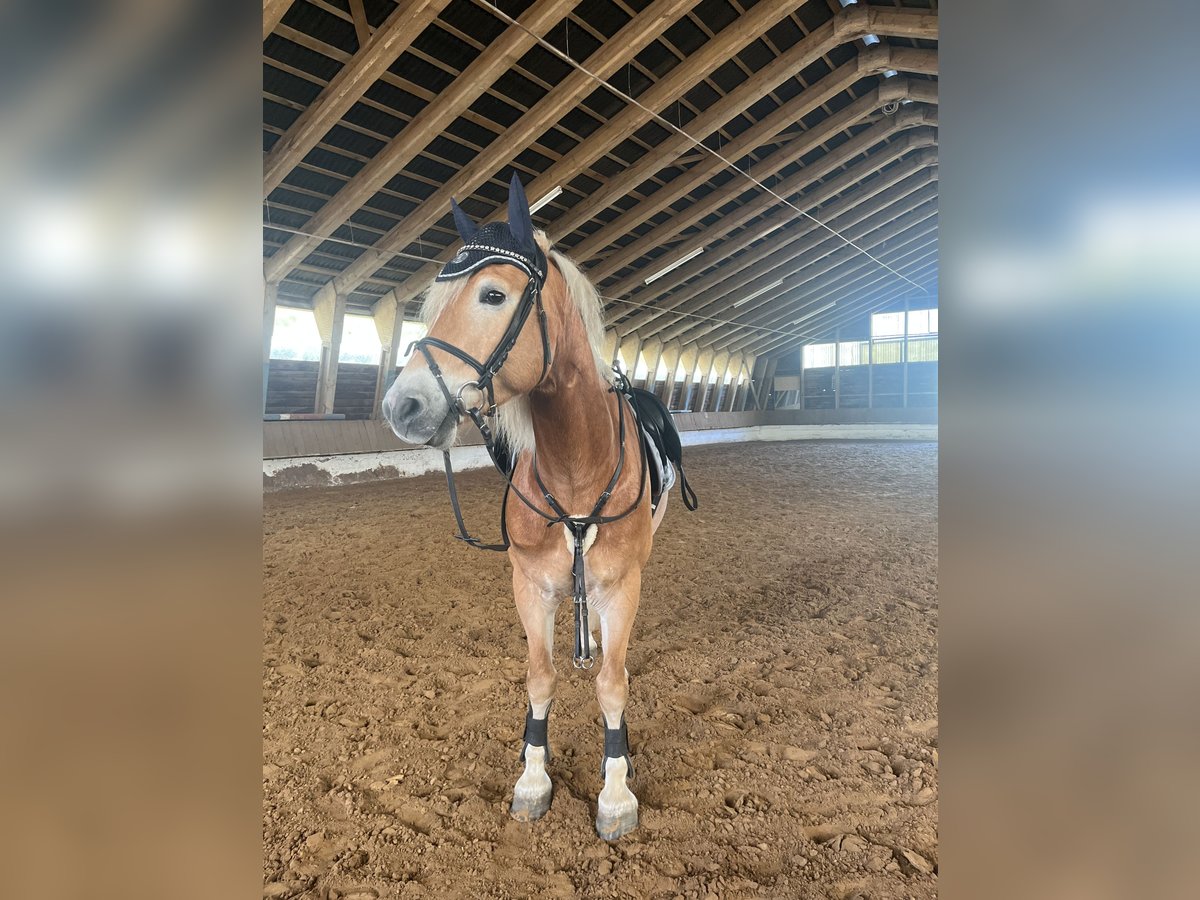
(585, 523)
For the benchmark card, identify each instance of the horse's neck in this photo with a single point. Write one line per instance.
(573, 424)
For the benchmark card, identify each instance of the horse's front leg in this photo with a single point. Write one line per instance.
(617, 808)
(536, 605)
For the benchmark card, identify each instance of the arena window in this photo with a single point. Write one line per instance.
(818, 356)
(295, 335)
(360, 341)
(853, 353)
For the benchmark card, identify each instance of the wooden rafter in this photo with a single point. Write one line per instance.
(849, 25)
(376, 53)
(630, 40)
(796, 150)
(730, 256)
(793, 268)
(273, 12)
(433, 119)
(817, 122)
(727, 42)
(853, 216)
(807, 176)
(851, 275)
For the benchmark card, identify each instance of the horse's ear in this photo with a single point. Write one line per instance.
(519, 220)
(466, 228)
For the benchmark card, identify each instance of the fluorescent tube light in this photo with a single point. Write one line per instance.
(808, 316)
(769, 287)
(675, 265)
(550, 196)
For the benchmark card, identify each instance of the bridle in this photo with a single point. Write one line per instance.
(531, 299)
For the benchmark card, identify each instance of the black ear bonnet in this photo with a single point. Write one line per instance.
(508, 242)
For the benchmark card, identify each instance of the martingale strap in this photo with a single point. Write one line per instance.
(579, 525)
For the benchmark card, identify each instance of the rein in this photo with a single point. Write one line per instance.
(531, 298)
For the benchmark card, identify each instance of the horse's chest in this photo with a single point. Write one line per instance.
(549, 561)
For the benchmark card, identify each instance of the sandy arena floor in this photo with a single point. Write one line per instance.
(783, 692)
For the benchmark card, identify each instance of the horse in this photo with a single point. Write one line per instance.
(575, 459)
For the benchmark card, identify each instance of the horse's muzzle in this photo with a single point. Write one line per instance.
(418, 413)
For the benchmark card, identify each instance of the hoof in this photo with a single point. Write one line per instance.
(527, 809)
(612, 827)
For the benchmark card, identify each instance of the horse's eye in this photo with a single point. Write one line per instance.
(493, 298)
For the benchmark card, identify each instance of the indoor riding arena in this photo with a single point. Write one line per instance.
(751, 188)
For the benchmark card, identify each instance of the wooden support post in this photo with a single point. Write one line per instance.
(760, 364)
(330, 350)
(870, 366)
(735, 378)
(768, 382)
(704, 376)
(904, 351)
(837, 368)
(389, 323)
(745, 398)
(685, 400)
(632, 361)
(270, 297)
(802, 376)
(672, 373)
(652, 368)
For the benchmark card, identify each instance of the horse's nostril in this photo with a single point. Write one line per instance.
(406, 409)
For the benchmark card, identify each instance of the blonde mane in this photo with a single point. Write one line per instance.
(513, 422)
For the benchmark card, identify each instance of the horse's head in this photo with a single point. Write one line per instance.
(473, 308)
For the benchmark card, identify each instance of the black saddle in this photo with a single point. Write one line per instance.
(662, 446)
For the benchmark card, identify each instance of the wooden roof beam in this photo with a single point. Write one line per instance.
(825, 261)
(846, 26)
(831, 268)
(745, 29)
(871, 61)
(608, 58)
(273, 12)
(794, 184)
(776, 345)
(859, 219)
(861, 178)
(849, 275)
(919, 258)
(431, 121)
(846, 276)
(373, 58)
(763, 132)
(735, 191)
(730, 272)
(923, 270)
